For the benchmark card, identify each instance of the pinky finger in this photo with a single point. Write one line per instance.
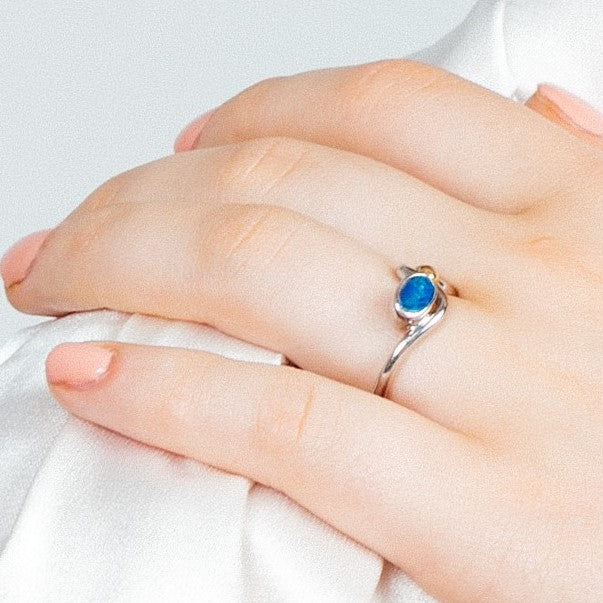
(569, 111)
(337, 450)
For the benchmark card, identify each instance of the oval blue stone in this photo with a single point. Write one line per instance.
(416, 293)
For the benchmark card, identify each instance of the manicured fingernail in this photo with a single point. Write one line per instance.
(78, 365)
(577, 112)
(17, 261)
(188, 137)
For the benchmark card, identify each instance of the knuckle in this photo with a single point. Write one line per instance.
(546, 237)
(378, 86)
(285, 428)
(173, 411)
(259, 93)
(544, 250)
(110, 192)
(180, 409)
(81, 236)
(241, 110)
(246, 240)
(253, 170)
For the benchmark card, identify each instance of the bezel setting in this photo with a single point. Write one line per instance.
(416, 322)
(416, 315)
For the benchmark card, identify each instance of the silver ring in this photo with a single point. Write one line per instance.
(421, 300)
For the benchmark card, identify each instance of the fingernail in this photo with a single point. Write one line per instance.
(577, 111)
(78, 365)
(17, 261)
(188, 137)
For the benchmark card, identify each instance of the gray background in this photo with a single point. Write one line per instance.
(90, 89)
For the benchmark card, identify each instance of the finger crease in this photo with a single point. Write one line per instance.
(308, 405)
(292, 168)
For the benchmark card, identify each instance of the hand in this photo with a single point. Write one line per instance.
(482, 475)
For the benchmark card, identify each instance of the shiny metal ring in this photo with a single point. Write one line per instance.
(421, 301)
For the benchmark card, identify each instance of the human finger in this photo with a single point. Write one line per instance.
(408, 218)
(459, 137)
(272, 276)
(334, 449)
(569, 111)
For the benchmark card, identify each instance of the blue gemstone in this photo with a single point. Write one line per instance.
(416, 294)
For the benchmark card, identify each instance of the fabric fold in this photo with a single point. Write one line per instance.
(476, 49)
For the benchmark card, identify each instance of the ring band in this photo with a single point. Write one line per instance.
(421, 301)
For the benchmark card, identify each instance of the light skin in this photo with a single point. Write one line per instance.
(282, 224)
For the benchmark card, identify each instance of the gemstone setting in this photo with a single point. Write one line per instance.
(416, 294)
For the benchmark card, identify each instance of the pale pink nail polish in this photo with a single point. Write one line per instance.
(188, 137)
(78, 365)
(17, 261)
(578, 112)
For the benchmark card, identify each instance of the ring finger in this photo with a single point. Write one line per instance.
(271, 275)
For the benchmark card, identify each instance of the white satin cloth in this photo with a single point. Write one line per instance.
(88, 515)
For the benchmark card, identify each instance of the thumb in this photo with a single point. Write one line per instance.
(568, 111)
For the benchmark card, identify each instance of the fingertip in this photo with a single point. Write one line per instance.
(574, 109)
(188, 137)
(17, 261)
(79, 366)
(572, 113)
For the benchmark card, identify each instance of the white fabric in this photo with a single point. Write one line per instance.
(511, 46)
(87, 515)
